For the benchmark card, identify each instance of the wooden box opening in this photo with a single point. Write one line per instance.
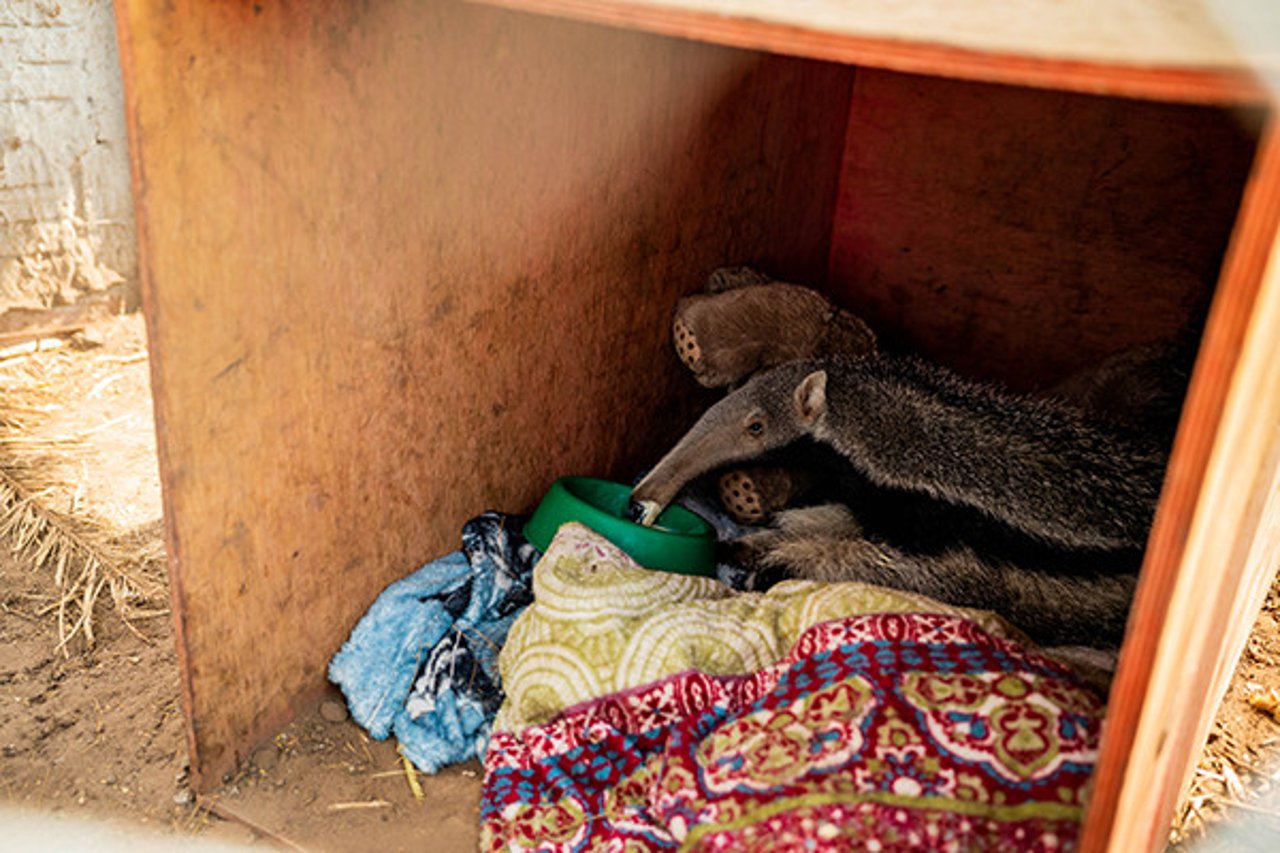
(404, 262)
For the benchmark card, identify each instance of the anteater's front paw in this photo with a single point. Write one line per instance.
(752, 551)
(818, 543)
(751, 554)
(830, 560)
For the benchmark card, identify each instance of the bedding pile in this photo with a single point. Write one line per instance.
(653, 711)
(421, 664)
(893, 725)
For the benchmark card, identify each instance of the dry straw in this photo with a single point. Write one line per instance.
(84, 556)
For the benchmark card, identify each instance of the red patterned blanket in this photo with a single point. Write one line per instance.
(882, 732)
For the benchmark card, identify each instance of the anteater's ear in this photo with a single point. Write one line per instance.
(811, 396)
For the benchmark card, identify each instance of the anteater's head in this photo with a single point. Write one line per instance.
(771, 410)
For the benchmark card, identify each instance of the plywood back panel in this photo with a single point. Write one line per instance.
(1021, 234)
(406, 261)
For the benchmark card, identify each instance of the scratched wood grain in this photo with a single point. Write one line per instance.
(405, 262)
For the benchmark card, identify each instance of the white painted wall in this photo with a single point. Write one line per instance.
(66, 214)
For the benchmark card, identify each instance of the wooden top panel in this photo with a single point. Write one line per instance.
(1181, 50)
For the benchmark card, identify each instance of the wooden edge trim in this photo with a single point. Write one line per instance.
(147, 285)
(215, 805)
(1161, 83)
(1239, 284)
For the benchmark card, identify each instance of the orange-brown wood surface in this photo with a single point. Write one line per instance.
(1161, 49)
(403, 262)
(1021, 234)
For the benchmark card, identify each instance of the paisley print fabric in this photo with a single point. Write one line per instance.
(885, 731)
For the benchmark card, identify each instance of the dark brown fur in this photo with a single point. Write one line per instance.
(826, 543)
(1022, 505)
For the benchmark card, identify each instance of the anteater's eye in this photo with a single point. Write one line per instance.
(755, 428)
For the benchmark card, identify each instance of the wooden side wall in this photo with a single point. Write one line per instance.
(1213, 547)
(1023, 234)
(405, 261)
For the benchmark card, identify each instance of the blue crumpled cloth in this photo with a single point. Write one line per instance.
(421, 664)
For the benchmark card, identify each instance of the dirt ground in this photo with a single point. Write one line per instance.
(1238, 777)
(98, 732)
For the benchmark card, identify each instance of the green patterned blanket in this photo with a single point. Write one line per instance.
(600, 624)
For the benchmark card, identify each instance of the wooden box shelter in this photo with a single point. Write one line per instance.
(403, 261)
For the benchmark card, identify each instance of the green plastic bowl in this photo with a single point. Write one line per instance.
(679, 541)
